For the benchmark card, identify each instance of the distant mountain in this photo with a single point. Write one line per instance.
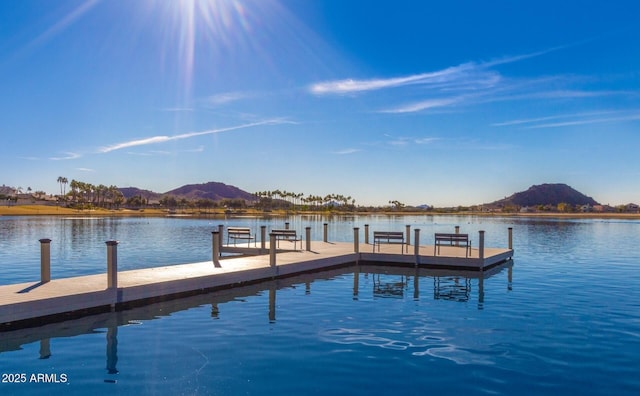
(129, 192)
(212, 190)
(547, 194)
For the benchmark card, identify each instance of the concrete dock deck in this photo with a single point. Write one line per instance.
(35, 303)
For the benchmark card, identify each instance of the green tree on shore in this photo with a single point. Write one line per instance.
(63, 182)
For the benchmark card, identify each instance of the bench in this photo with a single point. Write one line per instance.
(452, 240)
(380, 237)
(287, 235)
(236, 233)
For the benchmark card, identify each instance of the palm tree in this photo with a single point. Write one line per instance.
(60, 178)
(74, 189)
(101, 190)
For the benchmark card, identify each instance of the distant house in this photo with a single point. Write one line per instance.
(586, 208)
(603, 209)
(631, 207)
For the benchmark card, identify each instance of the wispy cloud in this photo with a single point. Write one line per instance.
(631, 117)
(68, 156)
(406, 141)
(199, 149)
(464, 76)
(467, 84)
(581, 118)
(424, 105)
(468, 72)
(517, 58)
(151, 153)
(226, 97)
(572, 94)
(347, 151)
(427, 140)
(163, 139)
(549, 118)
(85, 169)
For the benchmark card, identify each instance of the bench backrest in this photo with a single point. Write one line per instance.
(238, 230)
(452, 237)
(284, 232)
(388, 234)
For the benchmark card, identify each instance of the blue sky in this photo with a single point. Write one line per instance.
(443, 103)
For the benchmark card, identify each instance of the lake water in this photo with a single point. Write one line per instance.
(563, 318)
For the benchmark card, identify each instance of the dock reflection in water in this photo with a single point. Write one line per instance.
(393, 282)
(387, 281)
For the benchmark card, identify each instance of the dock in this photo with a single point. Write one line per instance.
(35, 304)
(386, 281)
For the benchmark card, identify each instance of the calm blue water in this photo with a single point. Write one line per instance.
(565, 319)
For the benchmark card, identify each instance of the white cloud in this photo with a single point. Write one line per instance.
(464, 76)
(549, 118)
(470, 83)
(631, 117)
(424, 105)
(163, 139)
(452, 75)
(347, 151)
(69, 156)
(427, 140)
(198, 149)
(226, 97)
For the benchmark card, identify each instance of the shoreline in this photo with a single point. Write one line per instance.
(45, 210)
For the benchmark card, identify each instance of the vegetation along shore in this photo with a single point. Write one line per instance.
(219, 199)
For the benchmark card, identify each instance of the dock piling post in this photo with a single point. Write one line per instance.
(408, 235)
(325, 232)
(481, 245)
(272, 250)
(307, 231)
(272, 303)
(221, 232)
(416, 241)
(45, 348)
(286, 225)
(356, 281)
(366, 234)
(215, 240)
(511, 238)
(263, 236)
(45, 260)
(457, 232)
(112, 264)
(356, 239)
